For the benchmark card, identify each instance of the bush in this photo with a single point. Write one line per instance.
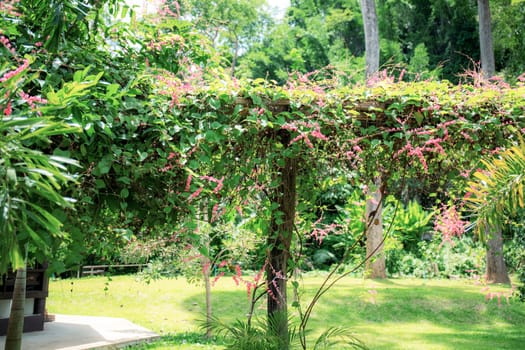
(462, 259)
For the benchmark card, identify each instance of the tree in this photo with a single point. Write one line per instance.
(31, 187)
(375, 267)
(485, 39)
(34, 120)
(231, 26)
(495, 192)
(496, 269)
(370, 23)
(313, 35)
(15, 327)
(508, 33)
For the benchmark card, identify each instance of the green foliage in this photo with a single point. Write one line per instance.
(230, 26)
(263, 335)
(35, 179)
(515, 250)
(407, 227)
(461, 258)
(448, 30)
(409, 224)
(508, 36)
(497, 191)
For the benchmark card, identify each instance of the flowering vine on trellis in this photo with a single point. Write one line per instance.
(247, 132)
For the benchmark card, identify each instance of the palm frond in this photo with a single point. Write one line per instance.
(497, 191)
(263, 334)
(340, 337)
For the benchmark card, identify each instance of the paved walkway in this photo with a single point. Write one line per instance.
(83, 332)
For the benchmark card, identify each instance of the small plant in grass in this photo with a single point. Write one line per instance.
(264, 335)
(338, 337)
(248, 335)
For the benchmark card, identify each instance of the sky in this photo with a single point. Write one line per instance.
(280, 6)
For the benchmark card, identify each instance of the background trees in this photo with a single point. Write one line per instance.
(437, 36)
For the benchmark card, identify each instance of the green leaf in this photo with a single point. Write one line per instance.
(100, 184)
(419, 117)
(142, 155)
(11, 175)
(124, 193)
(112, 89)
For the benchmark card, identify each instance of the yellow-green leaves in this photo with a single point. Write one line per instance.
(497, 191)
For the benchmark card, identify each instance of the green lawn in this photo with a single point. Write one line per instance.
(392, 314)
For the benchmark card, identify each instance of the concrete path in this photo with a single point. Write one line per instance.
(84, 332)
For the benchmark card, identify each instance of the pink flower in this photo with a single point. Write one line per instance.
(8, 110)
(215, 212)
(195, 194)
(448, 222)
(219, 182)
(17, 71)
(188, 183)
(5, 41)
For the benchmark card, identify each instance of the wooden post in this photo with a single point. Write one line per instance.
(279, 242)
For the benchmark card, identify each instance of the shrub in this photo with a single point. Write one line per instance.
(463, 258)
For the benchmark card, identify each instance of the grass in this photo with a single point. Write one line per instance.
(402, 314)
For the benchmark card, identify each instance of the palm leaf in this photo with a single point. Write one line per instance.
(340, 337)
(497, 191)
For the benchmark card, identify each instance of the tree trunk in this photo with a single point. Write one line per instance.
(15, 327)
(485, 39)
(206, 265)
(279, 242)
(234, 58)
(496, 267)
(207, 285)
(368, 11)
(375, 265)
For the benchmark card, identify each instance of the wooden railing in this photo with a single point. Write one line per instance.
(92, 270)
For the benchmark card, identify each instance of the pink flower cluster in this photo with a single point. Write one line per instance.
(315, 132)
(195, 194)
(15, 72)
(31, 100)
(273, 285)
(320, 230)
(8, 7)
(489, 295)
(448, 222)
(250, 285)
(8, 109)
(220, 273)
(166, 11)
(158, 45)
(5, 41)
(182, 84)
(219, 182)
(431, 145)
